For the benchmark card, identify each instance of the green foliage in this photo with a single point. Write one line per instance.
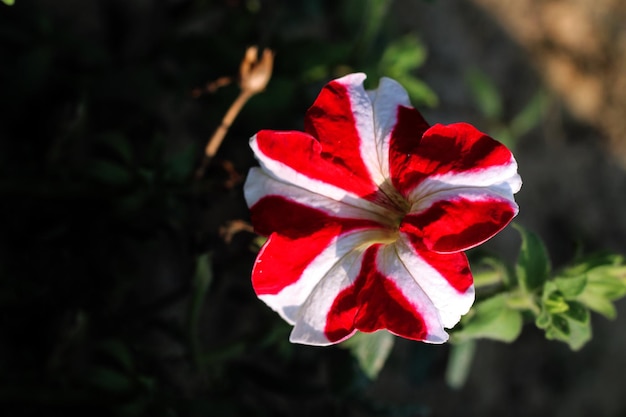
(490, 103)
(400, 60)
(563, 319)
(485, 93)
(533, 265)
(370, 350)
(459, 363)
(558, 303)
(493, 318)
(9, 2)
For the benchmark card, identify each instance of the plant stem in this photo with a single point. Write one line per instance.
(218, 136)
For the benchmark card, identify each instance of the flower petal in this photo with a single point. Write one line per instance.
(454, 220)
(260, 186)
(390, 298)
(298, 158)
(376, 289)
(344, 154)
(311, 324)
(449, 156)
(445, 278)
(287, 271)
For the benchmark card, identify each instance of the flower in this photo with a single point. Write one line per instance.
(368, 213)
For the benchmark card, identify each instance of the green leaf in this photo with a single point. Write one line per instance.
(591, 262)
(119, 352)
(533, 265)
(608, 281)
(573, 332)
(543, 320)
(403, 56)
(485, 94)
(109, 173)
(571, 286)
(555, 303)
(459, 363)
(599, 304)
(181, 164)
(200, 285)
(491, 319)
(577, 312)
(567, 321)
(118, 144)
(370, 350)
(419, 92)
(530, 116)
(599, 293)
(9, 2)
(492, 270)
(109, 380)
(595, 281)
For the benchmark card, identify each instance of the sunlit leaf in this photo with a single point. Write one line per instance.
(573, 332)
(530, 116)
(571, 286)
(403, 56)
(371, 350)
(491, 319)
(419, 92)
(459, 363)
(485, 94)
(533, 265)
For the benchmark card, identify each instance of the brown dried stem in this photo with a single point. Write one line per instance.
(254, 74)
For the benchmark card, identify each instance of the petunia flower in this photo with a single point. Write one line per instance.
(368, 212)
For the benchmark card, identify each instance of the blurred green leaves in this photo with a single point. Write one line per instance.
(9, 2)
(400, 60)
(370, 350)
(493, 318)
(533, 265)
(491, 106)
(559, 303)
(592, 283)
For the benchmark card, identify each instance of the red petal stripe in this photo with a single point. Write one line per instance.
(303, 153)
(442, 149)
(298, 235)
(372, 303)
(281, 261)
(331, 120)
(453, 267)
(456, 225)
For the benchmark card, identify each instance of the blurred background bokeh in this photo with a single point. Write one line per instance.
(124, 281)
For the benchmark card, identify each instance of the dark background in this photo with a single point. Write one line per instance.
(124, 284)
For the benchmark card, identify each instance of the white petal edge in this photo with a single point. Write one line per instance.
(290, 300)
(501, 179)
(311, 320)
(449, 302)
(285, 174)
(475, 194)
(392, 266)
(259, 185)
(375, 113)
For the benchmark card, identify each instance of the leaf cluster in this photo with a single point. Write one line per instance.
(559, 303)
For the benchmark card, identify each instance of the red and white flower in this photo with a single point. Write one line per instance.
(368, 213)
